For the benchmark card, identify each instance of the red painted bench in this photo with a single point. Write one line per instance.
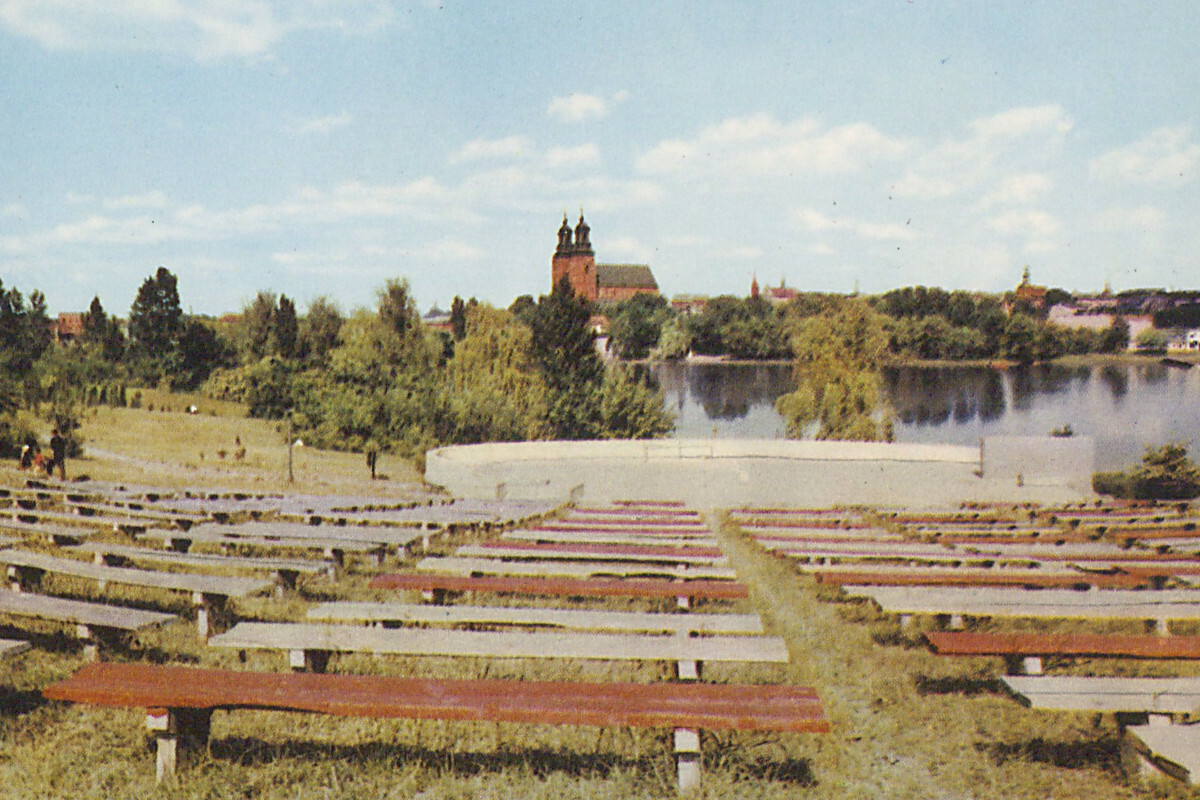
(1032, 647)
(179, 702)
(570, 587)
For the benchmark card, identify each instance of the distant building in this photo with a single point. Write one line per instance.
(68, 327)
(689, 303)
(575, 260)
(775, 295)
(1029, 292)
(437, 319)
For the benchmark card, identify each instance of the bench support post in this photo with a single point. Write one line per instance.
(687, 759)
(173, 727)
(1032, 665)
(308, 660)
(209, 608)
(1162, 626)
(687, 670)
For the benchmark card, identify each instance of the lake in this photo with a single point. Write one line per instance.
(1124, 407)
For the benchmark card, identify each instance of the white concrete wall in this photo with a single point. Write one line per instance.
(723, 473)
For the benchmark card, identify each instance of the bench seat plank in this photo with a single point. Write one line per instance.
(708, 706)
(577, 569)
(174, 539)
(583, 537)
(959, 643)
(499, 644)
(12, 647)
(581, 619)
(1173, 749)
(570, 587)
(389, 537)
(79, 612)
(1137, 695)
(971, 576)
(204, 559)
(987, 601)
(514, 549)
(217, 585)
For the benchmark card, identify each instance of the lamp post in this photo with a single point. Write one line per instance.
(292, 442)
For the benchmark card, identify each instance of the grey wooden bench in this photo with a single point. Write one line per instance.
(332, 548)
(564, 551)
(400, 539)
(51, 533)
(577, 569)
(585, 537)
(122, 524)
(93, 622)
(1171, 750)
(578, 619)
(955, 603)
(309, 644)
(285, 570)
(12, 647)
(209, 592)
(179, 702)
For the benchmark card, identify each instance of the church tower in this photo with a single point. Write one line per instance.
(575, 260)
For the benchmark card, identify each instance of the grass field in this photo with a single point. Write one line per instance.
(907, 724)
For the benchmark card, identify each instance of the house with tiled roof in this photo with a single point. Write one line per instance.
(68, 327)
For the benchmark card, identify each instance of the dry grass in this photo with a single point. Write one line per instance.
(907, 724)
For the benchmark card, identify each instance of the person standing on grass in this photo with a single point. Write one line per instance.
(58, 453)
(372, 457)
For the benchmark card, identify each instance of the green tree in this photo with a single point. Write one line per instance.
(637, 324)
(838, 356)
(102, 332)
(254, 327)
(564, 350)
(1021, 338)
(201, 351)
(1115, 338)
(458, 318)
(285, 330)
(155, 325)
(319, 330)
(631, 410)
(1167, 473)
(1151, 340)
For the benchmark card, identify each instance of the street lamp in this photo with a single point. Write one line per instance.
(292, 444)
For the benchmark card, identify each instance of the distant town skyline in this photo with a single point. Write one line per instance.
(316, 148)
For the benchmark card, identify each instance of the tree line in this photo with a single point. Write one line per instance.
(375, 378)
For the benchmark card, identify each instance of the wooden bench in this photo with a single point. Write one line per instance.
(179, 702)
(564, 550)
(956, 602)
(180, 519)
(57, 535)
(12, 647)
(435, 587)
(209, 592)
(285, 570)
(1171, 750)
(309, 645)
(122, 524)
(698, 529)
(578, 619)
(1038, 578)
(331, 548)
(1025, 652)
(573, 569)
(93, 622)
(584, 537)
(397, 538)
(1158, 696)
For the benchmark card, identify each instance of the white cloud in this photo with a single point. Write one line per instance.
(1143, 218)
(998, 146)
(760, 145)
(14, 210)
(579, 107)
(320, 125)
(1018, 190)
(204, 29)
(815, 221)
(1026, 121)
(151, 199)
(1165, 156)
(1032, 224)
(486, 149)
(627, 249)
(582, 156)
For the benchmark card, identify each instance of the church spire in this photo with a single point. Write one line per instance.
(582, 231)
(564, 235)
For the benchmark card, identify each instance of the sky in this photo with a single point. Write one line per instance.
(321, 147)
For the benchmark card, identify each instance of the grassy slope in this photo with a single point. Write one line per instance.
(907, 724)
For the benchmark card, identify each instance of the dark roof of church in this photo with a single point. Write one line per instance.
(631, 276)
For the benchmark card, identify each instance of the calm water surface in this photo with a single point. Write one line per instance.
(1124, 408)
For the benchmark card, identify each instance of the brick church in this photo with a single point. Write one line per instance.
(575, 260)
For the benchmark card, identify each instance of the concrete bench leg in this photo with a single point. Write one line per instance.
(1162, 626)
(210, 613)
(24, 579)
(687, 670)
(176, 729)
(683, 601)
(687, 759)
(308, 660)
(285, 581)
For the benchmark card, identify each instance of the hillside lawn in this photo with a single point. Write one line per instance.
(907, 724)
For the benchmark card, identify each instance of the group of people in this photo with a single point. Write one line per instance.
(33, 458)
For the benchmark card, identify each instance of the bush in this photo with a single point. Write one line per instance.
(1116, 484)
(1166, 474)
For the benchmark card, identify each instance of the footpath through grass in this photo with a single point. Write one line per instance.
(909, 724)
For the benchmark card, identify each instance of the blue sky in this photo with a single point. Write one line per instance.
(314, 147)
